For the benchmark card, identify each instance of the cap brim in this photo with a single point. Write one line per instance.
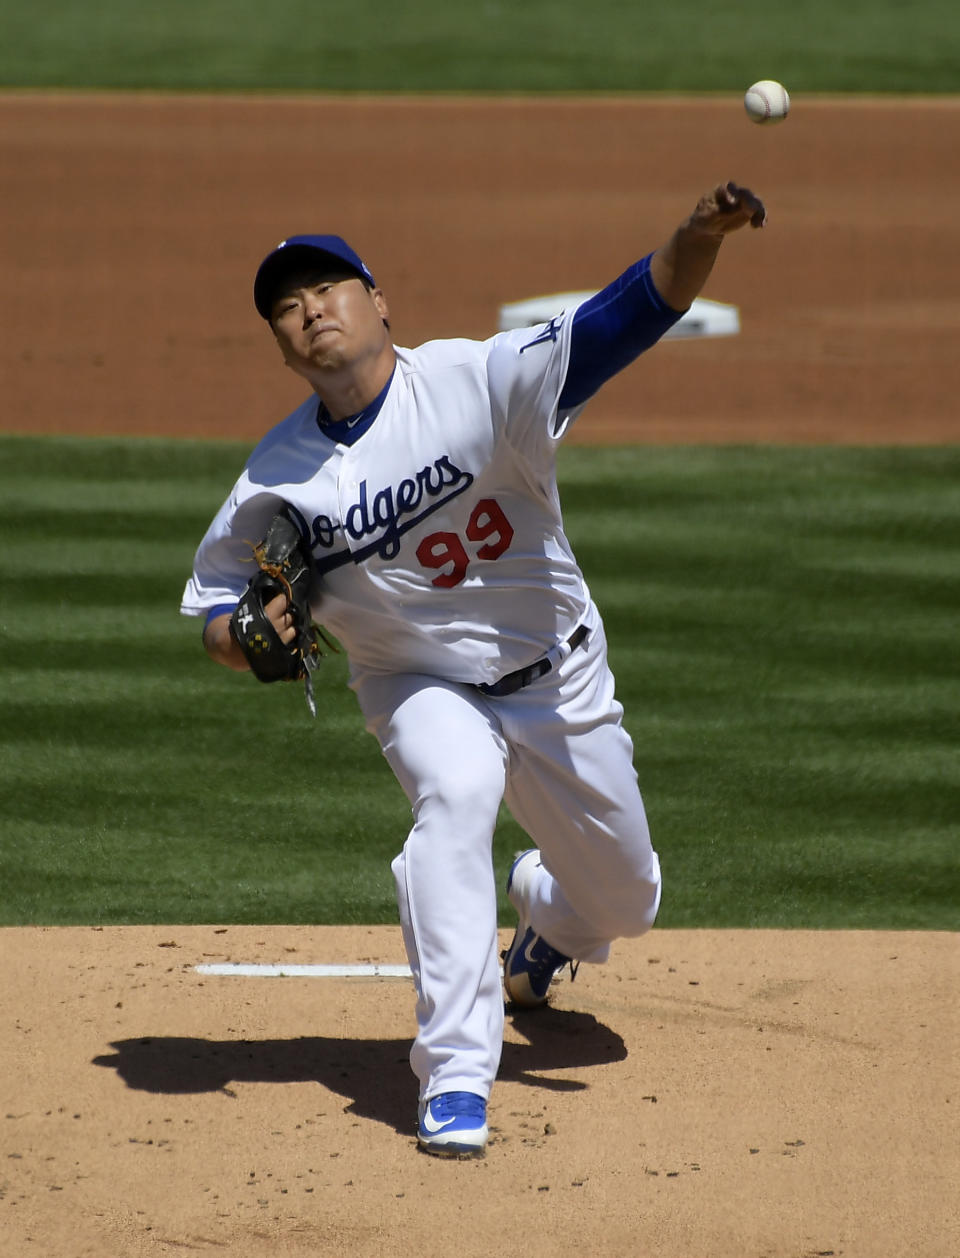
(278, 266)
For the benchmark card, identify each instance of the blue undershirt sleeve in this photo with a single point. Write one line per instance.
(611, 329)
(220, 610)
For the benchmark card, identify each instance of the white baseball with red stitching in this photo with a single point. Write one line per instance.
(767, 101)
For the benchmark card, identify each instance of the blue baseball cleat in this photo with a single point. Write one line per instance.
(530, 963)
(453, 1125)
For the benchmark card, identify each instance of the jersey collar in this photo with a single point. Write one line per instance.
(347, 431)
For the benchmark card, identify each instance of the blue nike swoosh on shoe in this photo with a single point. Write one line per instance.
(429, 1123)
(528, 951)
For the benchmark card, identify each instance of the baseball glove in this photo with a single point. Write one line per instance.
(283, 567)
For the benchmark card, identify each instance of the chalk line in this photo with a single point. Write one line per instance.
(305, 971)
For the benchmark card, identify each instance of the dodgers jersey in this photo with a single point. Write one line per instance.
(436, 536)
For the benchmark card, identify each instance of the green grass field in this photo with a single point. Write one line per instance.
(493, 45)
(783, 630)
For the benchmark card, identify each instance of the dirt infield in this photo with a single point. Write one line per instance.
(706, 1094)
(137, 224)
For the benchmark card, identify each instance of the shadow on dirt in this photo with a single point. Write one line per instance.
(373, 1074)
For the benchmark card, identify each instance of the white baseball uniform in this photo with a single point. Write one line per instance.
(442, 565)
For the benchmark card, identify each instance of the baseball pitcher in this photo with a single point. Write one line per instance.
(410, 506)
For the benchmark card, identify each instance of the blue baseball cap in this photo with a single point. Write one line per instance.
(296, 252)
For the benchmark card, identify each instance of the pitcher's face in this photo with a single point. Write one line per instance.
(329, 321)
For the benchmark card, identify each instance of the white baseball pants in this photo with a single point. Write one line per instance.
(557, 754)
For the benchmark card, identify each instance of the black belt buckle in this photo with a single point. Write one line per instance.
(515, 681)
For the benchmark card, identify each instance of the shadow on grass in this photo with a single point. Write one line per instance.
(374, 1075)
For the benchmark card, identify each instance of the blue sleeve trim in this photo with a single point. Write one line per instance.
(221, 609)
(611, 329)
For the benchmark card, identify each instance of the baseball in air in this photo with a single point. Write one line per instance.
(767, 101)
